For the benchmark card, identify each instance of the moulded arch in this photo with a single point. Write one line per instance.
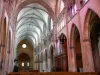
(72, 36)
(86, 31)
(24, 58)
(23, 53)
(63, 34)
(91, 33)
(41, 2)
(75, 45)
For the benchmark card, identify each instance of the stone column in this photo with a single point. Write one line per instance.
(72, 59)
(88, 65)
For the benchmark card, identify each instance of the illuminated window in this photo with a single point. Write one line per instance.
(51, 24)
(24, 46)
(74, 9)
(28, 64)
(22, 64)
(61, 6)
(68, 18)
(86, 0)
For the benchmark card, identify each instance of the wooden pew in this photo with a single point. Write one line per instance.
(53, 73)
(90, 73)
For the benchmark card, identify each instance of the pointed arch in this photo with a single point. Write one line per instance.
(86, 32)
(91, 32)
(75, 45)
(74, 29)
(41, 2)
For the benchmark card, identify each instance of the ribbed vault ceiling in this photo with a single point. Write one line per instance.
(32, 24)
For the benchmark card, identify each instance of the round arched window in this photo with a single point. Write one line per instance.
(24, 46)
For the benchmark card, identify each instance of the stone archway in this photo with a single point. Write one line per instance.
(94, 27)
(76, 46)
(23, 62)
(26, 47)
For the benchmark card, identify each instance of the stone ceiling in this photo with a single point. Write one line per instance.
(32, 24)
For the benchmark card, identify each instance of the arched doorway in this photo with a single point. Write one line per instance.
(78, 51)
(77, 48)
(23, 62)
(94, 27)
(25, 46)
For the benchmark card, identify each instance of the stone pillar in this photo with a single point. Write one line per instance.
(65, 62)
(44, 66)
(41, 64)
(72, 59)
(48, 64)
(88, 65)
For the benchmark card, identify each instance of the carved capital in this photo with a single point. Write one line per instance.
(2, 45)
(86, 40)
(8, 52)
(72, 47)
(10, 1)
(5, 0)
